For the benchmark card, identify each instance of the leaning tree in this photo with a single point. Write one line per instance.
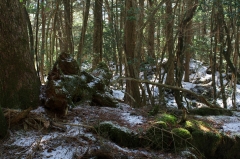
(19, 83)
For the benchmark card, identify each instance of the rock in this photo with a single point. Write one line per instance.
(182, 137)
(58, 99)
(105, 99)
(66, 86)
(118, 134)
(103, 72)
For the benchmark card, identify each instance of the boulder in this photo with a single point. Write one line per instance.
(67, 86)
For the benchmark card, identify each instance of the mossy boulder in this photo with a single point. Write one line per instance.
(158, 137)
(182, 137)
(105, 99)
(167, 118)
(211, 111)
(67, 86)
(118, 134)
(229, 147)
(204, 137)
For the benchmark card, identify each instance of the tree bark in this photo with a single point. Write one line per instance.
(188, 35)
(132, 95)
(83, 32)
(98, 32)
(170, 44)
(19, 84)
(68, 45)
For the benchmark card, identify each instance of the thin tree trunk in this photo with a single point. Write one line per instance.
(83, 32)
(170, 44)
(36, 39)
(188, 44)
(42, 52)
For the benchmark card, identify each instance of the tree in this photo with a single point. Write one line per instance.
(83, 32)
(170, 43)
(132, 88)
(188, 44)
(19, 84)
(98, 32)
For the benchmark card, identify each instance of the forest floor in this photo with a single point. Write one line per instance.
(72, 136)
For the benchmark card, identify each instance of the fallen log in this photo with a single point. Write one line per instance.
(199, 97)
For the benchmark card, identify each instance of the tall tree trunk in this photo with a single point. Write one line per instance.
(36, 39)
(180, 52)
(221, 48)
(151, 31)
(132, 95)
(188, 44)
(42, 52)
(83, 32)
(98, 33)
(170, 44)
(68, 45)
(19, 84)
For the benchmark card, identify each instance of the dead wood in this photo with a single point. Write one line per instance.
(199, 97)
(15, 119)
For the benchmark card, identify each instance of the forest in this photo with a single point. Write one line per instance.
(118, 79)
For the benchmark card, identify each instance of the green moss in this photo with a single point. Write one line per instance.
(192, 125)
(118, 134)
(181, 137)
(211, 111)
(158, 138)
(170, 119)
(205, 138)
(160, 124)
(206, 142)
(181, 132)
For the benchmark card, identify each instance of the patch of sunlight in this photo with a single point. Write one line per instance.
(204, 128)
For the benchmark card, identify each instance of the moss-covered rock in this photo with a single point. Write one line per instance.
(167, 118)
(229, 148)
(118, 134)
(158, 137)
(181, 137)
(211, 111)
(105, 99)
(204, 137)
